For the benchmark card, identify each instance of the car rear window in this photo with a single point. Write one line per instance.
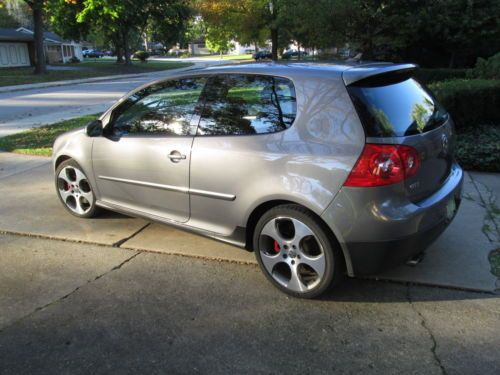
(396, 109)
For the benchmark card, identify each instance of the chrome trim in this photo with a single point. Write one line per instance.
(147, 184)
(211, 194)
(203, 193)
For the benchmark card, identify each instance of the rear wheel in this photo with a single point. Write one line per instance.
(296, 252)
(74, 190)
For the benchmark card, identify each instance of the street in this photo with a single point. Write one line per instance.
(22, 110)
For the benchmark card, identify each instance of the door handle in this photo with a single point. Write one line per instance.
(176, 156)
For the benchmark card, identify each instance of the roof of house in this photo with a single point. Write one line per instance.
(23, 34)
(14, 35)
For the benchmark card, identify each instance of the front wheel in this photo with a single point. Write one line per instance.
(296, 252)
(74, 190)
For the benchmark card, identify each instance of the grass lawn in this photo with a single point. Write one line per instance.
(38, 141)
(87, 69)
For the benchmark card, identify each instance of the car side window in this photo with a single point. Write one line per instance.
(160, 109)
(247, 104)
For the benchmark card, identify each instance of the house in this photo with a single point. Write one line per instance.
(17, 48)
(57, 49)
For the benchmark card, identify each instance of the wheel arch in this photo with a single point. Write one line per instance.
(60, 159)
(262, 208)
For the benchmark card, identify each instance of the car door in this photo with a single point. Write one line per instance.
(238, 153)
(142, 161)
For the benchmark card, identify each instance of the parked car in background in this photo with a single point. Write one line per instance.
(92, 53)
(262, 54)
(294, 53)
(320, 169)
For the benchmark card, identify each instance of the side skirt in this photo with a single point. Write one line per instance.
(237, 238)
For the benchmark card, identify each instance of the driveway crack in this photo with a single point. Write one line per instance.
(123, 240)
(424, 325)
(60, 299)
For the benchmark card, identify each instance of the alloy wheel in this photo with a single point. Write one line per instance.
(292, 254)
(74, 189)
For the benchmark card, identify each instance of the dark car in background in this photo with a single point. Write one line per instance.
(294, 53)
(92, 53)
(261, 55)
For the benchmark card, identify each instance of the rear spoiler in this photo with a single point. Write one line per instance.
(370, 72)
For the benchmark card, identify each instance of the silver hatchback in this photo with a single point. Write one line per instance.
(321, 169)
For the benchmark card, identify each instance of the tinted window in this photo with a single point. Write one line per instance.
(247, 104)
(163, 109)
(397, 109)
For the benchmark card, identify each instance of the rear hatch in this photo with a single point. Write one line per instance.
(395, 109)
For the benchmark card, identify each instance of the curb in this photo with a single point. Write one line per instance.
(33, 86)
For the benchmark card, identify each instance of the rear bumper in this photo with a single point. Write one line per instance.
(379, 228)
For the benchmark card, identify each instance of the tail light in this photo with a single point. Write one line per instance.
(381, 165)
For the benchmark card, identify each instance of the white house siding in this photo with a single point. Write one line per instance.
(14, 54)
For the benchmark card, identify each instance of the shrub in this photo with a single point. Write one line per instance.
(74, 60)
(141, 55)
(489, 68)
(479, 149)
(470, 102)
(435, 75)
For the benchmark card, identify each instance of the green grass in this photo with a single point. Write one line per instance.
(494, 258)
(86, 69)
(39, 141)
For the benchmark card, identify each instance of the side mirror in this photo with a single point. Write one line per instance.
(94, 128)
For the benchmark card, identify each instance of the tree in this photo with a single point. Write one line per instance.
(248, 21)
(168, 21)
(6, 20)
(37, 7)
(219, 40)
(118, 19)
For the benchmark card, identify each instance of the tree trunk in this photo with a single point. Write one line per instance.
(256, 45)
(274, 42)
(126, 49)
(40, 66)
(298, 51)
(119, 55)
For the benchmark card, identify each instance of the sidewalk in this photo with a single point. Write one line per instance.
(458, 259)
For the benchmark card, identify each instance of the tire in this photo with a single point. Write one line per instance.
(297, 252)
(74, 190)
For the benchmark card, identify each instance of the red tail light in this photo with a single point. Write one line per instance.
(381, 165)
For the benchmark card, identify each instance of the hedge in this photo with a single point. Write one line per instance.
(470, 102)
(434, 75)
(479, 148)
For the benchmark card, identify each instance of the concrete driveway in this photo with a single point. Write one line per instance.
(459, 258)
(120, 295)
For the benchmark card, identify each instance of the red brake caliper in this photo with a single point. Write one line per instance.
(276, 247)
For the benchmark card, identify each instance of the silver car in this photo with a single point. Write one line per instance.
(321, 169)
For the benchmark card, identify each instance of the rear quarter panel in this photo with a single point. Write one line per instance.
(306, 164)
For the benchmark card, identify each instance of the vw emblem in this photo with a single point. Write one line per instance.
(444, 143)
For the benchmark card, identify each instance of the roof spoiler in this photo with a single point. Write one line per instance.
(370, 71)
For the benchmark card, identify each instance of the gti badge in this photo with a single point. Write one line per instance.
(444, 143)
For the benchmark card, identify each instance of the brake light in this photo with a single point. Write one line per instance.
(381, 165)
